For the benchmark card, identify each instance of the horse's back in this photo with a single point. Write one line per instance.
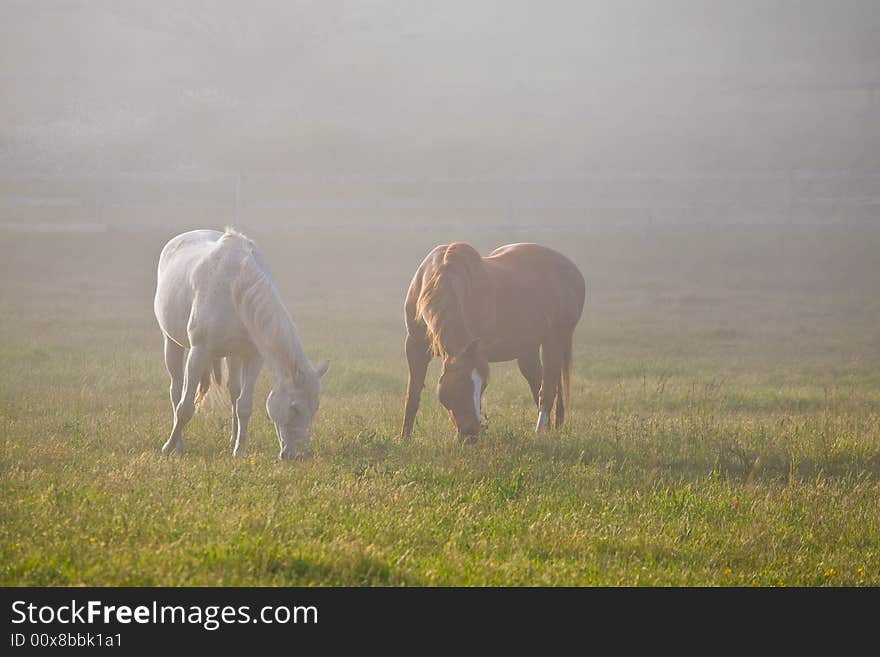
(521, 271)
(530, 254)
(179, 261)
(551, 274)
(534, 285)
(187, 247)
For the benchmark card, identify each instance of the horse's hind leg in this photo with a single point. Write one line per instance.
(566, 337)
(174, 354)
(174, 357)
(233, 385)
(560, 404)
(551, 354)
(530, 367)
(197, 362)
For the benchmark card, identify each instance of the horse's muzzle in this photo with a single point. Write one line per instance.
(469, 434)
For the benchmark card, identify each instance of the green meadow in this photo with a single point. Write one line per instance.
(723, 428)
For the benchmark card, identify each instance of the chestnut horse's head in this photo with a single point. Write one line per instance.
(463, 378)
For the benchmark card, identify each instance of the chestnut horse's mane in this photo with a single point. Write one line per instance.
(456, 299)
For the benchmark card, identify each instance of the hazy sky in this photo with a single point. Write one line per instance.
(466, 86)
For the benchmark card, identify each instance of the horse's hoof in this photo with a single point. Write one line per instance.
(295, 456)
(543, 422)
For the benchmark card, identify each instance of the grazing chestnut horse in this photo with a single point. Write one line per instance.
(521, 302)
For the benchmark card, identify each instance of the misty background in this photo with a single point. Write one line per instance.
(567, 111)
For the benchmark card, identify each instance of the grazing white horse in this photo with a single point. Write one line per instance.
(215, 296)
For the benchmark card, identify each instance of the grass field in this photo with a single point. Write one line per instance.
(724, 426)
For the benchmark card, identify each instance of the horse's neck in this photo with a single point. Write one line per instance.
(454, 337)
(281, 376)
(458, 327)
(275, 337)
(284, 353)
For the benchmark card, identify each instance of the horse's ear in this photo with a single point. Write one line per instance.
(322, 368)
(470, 349)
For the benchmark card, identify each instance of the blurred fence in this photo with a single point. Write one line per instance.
(142, 200)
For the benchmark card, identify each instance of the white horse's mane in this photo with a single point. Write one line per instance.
(264, 314)
(231, 231)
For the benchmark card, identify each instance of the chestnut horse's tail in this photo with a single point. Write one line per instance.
(565, 373)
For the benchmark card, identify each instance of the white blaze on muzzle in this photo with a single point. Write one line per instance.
(478, 392)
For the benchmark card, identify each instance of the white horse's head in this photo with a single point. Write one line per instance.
(292, 407)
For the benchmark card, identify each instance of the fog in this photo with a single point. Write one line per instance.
(526, 121)
(492, 88)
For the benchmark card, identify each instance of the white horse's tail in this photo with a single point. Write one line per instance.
(215, 375)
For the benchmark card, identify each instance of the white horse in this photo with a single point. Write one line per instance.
(215, 296)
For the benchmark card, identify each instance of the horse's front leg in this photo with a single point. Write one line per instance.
(418, 355)
(250, 370)
(197, 362)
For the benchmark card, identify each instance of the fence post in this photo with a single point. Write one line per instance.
(789, 196)
(238, 200)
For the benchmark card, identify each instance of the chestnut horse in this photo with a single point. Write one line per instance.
(521, 302)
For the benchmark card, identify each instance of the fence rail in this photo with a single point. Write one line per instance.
(719, 196)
